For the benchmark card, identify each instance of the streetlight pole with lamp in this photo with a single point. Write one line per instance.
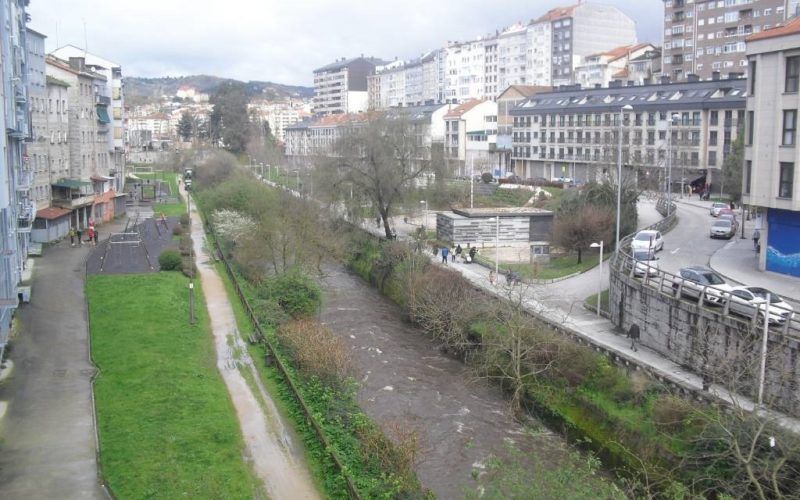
(671, 120)
(622, 110)
(425, 202)
(600, 281)
(497, 247)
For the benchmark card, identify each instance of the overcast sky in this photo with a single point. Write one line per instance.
(282, 40)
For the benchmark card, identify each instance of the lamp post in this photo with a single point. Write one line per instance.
(600, 281)
(471, 182)
(425, 202)
(671, 120)
(624, 108)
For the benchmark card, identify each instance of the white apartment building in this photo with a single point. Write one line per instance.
(466, 70)
(470, 138)
(539, 53)
(37, 157)
(341, 87)
(603, 67)
(408, 83)
(278, 115)
(157, 124)
(772, 148)
(512, 58)
(114, 97)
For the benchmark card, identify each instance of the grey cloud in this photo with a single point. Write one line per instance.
(283, 40)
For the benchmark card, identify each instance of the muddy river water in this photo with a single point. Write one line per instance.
(461, 422)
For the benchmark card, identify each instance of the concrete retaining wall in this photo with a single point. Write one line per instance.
(705, 341)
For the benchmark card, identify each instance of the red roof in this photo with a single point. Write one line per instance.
(339, 119)
(463, 108)
(51, 213)
(790, 28)
(557, 13)
(621, 51)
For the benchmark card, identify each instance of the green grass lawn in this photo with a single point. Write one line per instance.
(591, 301)
(167, 426)
(559, 266)
(169, 209)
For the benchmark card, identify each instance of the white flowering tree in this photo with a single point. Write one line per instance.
(232, 226)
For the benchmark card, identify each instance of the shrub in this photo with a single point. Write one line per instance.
(486, 177)
(296, 293)
(177, 230)
(185, 219)
(170, 260)
(316, 350)
(185, 245)
(188, 269)
(671, 413)
(269, 312)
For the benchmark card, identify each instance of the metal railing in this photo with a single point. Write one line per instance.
(716, 299)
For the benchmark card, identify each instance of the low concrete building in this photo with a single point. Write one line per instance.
(519, 226)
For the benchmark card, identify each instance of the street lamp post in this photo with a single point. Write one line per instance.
(497, 247)
(624, 108)
(671, 120)
(600, 281)
(471, 182)
(425, 202)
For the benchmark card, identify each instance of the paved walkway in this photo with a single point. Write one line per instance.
(548, 302)
(736, 261)
(48, 437)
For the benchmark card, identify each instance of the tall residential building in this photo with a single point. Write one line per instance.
(701, 37)
(17, 210)
(341, 87)
(772, 149)
(38, 154)
(114, 99)
(470, 138)
(512, 59)
(684, 129)
(581, 30)
(408, 83)
(466, 69)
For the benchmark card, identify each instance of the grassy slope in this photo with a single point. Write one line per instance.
(167, 426)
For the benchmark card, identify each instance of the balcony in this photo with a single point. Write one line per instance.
(74, 203)
(102, 100)
(24, 180)
(26, 213)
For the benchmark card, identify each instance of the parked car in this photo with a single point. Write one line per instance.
(646, 262)
(648, 240)
(722, 228)
(732, 218)
(716, 207)
(697, 279)
(745, 300)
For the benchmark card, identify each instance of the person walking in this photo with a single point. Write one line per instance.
(756, 237)
(79, 233)
(458, 250)
(445, 252)
(72, 236)
(96, 237)
(453, 255)
(91, 235)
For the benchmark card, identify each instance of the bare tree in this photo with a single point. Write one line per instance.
(379, 159)
(589, 224)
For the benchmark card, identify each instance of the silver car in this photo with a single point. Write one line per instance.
(722, 228)
(646, 262)
(716, 207)
(745, 300)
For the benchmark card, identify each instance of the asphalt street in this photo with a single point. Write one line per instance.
(688, 243)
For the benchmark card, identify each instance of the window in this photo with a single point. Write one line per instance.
(792, 73)
(767, 12)
(712, 158)
(750, 127)
(712, 138)
(789, 127)
(752, 79)
(748, 174)
(786, 180)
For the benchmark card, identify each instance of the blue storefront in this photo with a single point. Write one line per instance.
(783, 245)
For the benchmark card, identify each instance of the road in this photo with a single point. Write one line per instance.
(688, 243)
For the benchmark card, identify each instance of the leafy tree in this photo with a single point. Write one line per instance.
(229, 120)
(185, 126)
(732, 168)
(380, 159)
(589, 224)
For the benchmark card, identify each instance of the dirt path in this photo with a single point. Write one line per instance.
(276, 454)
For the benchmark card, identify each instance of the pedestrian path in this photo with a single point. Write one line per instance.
(539, 300)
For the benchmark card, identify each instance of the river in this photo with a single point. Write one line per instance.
(461, 422)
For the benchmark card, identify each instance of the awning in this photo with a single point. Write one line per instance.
(51, 213)
(101, 178)
(70, 183)
(102, 114)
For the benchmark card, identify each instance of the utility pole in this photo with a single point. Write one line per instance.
(191, 261)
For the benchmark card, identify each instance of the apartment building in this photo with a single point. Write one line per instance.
(686, 129)
(157, 124)
(770, 181)
(645, 68)
(603, 67)
(37, 157)
(112, 97)
(278, 115)
(415, 82)
(310, 140)
(581, 30)
(701, 37)
(510, 98)
(539, 54)
(470, 138)
(341, 87)
(17, 210)
(467, 68)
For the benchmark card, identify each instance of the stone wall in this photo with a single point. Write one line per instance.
(703, 340)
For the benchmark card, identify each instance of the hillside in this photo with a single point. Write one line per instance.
(143, 89)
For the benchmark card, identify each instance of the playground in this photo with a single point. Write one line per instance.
(136, 248)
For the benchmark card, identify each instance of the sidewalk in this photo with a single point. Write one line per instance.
(546, 302)
(736, 261)
(49, 448)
